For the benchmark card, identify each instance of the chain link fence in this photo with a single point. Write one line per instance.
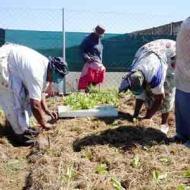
(59, 32)
(125, 33)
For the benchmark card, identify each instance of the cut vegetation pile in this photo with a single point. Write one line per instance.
(97, 154)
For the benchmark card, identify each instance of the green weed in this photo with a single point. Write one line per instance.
(101, 169)
(158, 177)
(116, 184)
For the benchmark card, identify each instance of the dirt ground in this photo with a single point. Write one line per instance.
(96, 154)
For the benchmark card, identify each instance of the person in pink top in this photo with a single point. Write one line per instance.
(93, 71)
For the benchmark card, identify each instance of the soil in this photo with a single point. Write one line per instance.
(96, 154)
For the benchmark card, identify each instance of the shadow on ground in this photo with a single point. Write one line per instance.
(125, 116)
(121, 116)
(125, 137)
(7, 132)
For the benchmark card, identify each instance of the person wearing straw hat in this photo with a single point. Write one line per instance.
(24, 75)
(93, 71)
(151, 79)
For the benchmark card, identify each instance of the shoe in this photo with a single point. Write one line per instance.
(25, 139)
(164, 128)
(178, 139)
(32, 132)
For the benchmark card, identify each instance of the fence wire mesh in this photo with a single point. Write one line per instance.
(42, 30)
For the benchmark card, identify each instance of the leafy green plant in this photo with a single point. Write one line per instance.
(90, 100)
(158, 177)
(14, 165)
(93, 89)
(165, 160)
(67, 176)
(70, 173)
(187, 173)
(180, 187)
(114, 124)
(116, 184)
(101, 169)
(183, 187)
(135, 163)
(88, 155)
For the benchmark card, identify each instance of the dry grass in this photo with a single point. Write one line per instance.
(98, 154)
(13, 164)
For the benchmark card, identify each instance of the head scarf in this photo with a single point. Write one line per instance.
(133, 81)
(58, 65)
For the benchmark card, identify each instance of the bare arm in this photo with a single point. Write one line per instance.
(53, 115)
(156, 105)
(138, 106)
(50, 90)
(44, 105)
(38, 112)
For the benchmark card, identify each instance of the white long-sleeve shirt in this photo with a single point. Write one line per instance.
(29, 66)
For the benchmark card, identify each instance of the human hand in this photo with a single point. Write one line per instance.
(54, 116)
(48, 126)
(50, 91)
(87, 58)
(90, 59)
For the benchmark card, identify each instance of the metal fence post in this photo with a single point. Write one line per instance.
(63, 47)
(171, 28)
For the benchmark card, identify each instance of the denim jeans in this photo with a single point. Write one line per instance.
(182, 114)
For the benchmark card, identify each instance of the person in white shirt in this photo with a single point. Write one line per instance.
(151, 79)
(24, 75)
(182, 75)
